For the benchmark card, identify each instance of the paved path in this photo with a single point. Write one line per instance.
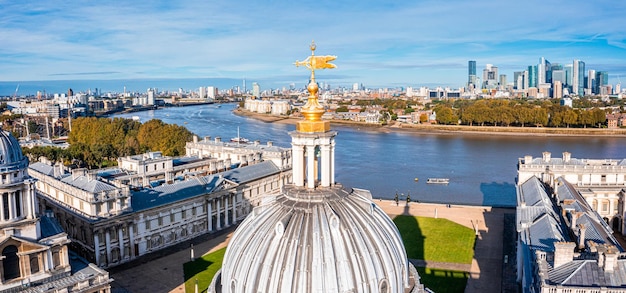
(164, 272)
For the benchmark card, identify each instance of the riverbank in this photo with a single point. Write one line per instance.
(436, 128)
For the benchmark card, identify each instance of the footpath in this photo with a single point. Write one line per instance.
(164, 272)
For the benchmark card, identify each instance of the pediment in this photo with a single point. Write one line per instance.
(24, 245)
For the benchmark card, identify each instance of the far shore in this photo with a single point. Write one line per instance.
(450, 129)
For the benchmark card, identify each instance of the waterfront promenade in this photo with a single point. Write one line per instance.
(164, 272)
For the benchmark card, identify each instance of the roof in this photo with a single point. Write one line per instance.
(49, 226)
(200, 185)
(84, 183)
(587, 273)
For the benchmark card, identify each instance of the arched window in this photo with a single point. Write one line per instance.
(10, 263)
(34, 264)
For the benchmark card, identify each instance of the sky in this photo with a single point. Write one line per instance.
(377, 43)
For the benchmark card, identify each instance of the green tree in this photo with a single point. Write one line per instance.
(445, 115)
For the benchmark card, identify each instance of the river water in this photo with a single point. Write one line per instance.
(481, 168)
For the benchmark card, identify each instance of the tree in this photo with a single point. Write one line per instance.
(341, 109)
(445, 115)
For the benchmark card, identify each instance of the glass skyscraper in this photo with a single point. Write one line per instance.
(471, 72)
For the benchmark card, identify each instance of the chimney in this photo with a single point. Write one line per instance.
(573, 219)
(57, 170)
(563, 253)
(581, 236)
(610, 260)
(528, 159)
(195, 139)
(546, 157)
(257, 142)
(78, 172)
(207, 138)
(91, 176)
(566, 157)
(270, 143)
(218, 139)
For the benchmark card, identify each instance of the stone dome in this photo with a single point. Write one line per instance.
(11, 157)
(328, 239)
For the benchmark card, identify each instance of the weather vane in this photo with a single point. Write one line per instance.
(316, 62)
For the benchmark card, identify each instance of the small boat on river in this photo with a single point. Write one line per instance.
(438, 181)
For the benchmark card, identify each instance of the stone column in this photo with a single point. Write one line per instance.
(298, 165)
(310, 166)
(107, 243)
(96, 246)
(218, 212)
(49, 262)
(332, 162)
(226, 220)
(325, 149)
(11, 205)
(131, 240)
(209, 212)
(120, 239)
(234, 215)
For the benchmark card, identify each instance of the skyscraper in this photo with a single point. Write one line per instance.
(578, 77)
(471, 71)
(532, 76)
(490, 76)
(591, 87)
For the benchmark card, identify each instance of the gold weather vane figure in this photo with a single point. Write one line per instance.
(313, 111)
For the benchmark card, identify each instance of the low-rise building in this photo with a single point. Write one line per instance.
(116, 215)
(602, 182)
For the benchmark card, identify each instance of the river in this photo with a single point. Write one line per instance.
(481, 168)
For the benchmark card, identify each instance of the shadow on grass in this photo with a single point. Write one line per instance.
(203, 270)
(412, 235)
(440, 280)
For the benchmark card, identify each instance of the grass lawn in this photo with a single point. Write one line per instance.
(438, 240)
(443, 280)
(203, 269)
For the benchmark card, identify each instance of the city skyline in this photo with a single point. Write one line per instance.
(378, 44)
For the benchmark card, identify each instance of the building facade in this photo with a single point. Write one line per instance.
(150, 202)
(35, 255)
(602, 182)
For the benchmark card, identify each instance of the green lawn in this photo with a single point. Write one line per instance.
(438, 240)
(443, 280)
(203, 269)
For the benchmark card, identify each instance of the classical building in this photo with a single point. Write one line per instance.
(601, 182)
(35, 256)
(149, 201)
(315, 235)
(563, 245)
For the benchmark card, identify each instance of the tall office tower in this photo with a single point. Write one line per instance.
(490, 76)
(578, 77)
(541, 71)
(211, 92)
(244, 85)
(202, 92)
(518, 79)
(526, 82)
(602, 80)
(590, 82)
(70, 93)
(256, 90)
(569, 69)
(558, 89)
(471, 71)
(532, 76)
(502, 81)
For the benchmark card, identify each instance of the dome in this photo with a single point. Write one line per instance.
(328, 239)
(11, 157)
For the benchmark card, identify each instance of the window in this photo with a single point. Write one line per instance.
(603, 179)
(34, 264)
(172, 217)
(10, 263)
(147, 222)
(18, 204)
(160, 221)
(605, 206)
(5, 205)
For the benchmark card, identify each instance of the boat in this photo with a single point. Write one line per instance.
(438, 181)
(416, 179)
(239, 139)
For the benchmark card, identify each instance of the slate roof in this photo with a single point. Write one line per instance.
(82, 182)
(49, 226)
(587, 273)
(180, 190)
(597, 229)
(42, 168)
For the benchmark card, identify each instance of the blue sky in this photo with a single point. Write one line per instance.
(378, 43)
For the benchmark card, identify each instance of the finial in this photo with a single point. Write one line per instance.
(313, 111)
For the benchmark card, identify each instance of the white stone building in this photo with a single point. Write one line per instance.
(113, 216)
(35, 255)
(602, 182)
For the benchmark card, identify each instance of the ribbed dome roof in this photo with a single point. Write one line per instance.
(11, 157)
(317, 240)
